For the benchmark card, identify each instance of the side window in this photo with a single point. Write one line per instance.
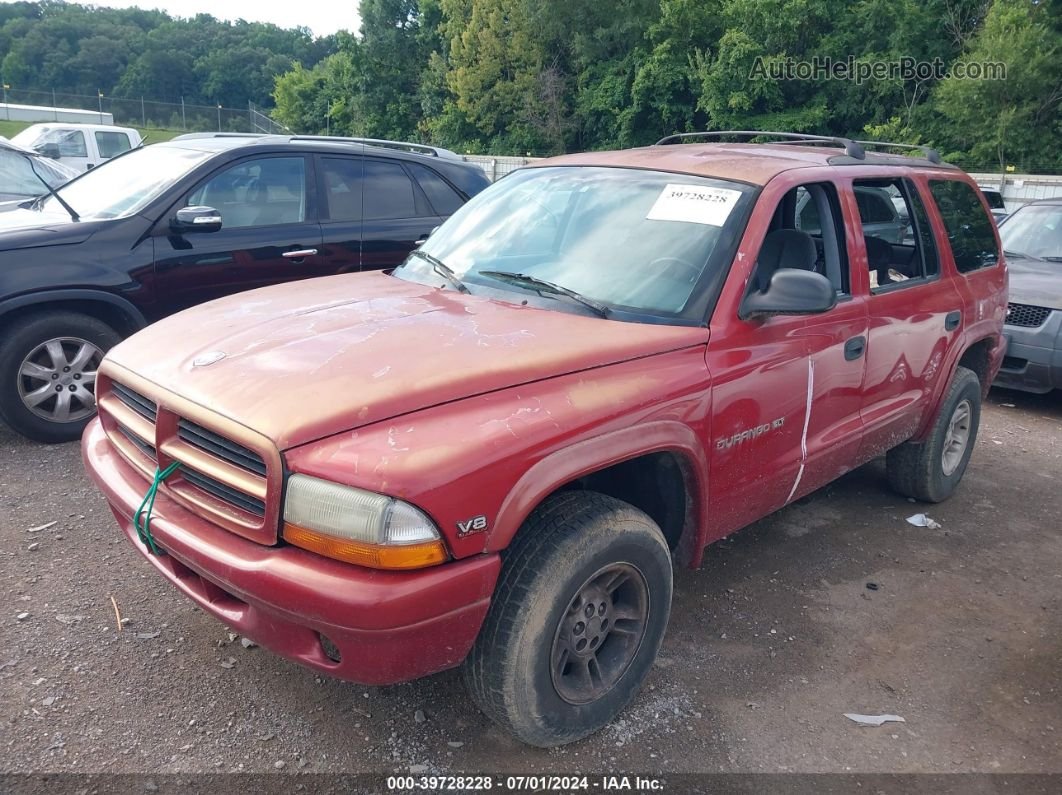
(343, 187)
(443, 198)
(388, 192)
(896, 233)
(111, 143)
(71, 143)
(973, 243)
(807, 233)
(261, 192)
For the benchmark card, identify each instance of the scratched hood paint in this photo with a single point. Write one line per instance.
(307, 360)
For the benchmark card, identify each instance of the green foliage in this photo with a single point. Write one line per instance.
(547, 76)
(73, 49)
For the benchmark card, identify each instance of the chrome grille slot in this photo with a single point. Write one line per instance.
(137, 402)
(221, 447)
(224, 493)
(1026, 315)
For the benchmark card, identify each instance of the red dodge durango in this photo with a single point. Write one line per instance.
(492, 457)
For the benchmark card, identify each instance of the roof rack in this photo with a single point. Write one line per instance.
(423, 149)
(932, 155)
(851, 148)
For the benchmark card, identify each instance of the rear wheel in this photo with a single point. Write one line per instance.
(931, 470)
(48, 365)
(576, 622)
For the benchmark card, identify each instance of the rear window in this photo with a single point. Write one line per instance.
(995, 199)
(969, 227)
(111, 143)
(443, 198)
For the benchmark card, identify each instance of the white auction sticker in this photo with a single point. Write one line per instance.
(694, 204)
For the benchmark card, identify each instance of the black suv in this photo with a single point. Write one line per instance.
(175, 224)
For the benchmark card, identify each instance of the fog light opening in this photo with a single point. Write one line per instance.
(330, 649)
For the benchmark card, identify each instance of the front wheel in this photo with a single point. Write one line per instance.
(48, 366)
(931, 470)
(576, 622)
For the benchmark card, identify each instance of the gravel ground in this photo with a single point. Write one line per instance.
(771, 641)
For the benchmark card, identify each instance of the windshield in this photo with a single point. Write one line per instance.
(17, 178)
(643, 242)
(124, 185)
(1034, 231)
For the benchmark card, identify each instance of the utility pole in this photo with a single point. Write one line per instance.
(219, 117)
(99, 98)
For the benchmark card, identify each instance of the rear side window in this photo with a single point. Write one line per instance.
(71, 142)
(388, 192)
(443, 198)
(111, 143)
(973, 243)
(896, 234)
(343, 187)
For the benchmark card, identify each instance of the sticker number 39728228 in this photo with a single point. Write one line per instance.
(694, 204)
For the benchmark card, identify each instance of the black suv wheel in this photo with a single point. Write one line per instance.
(48, 366)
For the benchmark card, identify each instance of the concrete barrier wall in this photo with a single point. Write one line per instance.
(1019, 189)
(10, 112)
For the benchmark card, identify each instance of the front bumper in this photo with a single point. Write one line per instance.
(1033, 360)
(387, 626)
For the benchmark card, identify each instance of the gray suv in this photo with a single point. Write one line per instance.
(1032, 240)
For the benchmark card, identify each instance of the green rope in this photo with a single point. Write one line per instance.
(143, 530)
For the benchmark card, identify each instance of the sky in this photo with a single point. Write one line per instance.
(320, 16)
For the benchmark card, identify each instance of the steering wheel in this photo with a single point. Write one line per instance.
(692, 271)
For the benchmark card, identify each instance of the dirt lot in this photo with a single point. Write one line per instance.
(777, 636)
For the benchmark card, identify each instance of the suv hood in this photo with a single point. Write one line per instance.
(298, 362)
(1035, 282)
(22, 228)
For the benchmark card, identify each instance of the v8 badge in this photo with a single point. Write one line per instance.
(477, 524)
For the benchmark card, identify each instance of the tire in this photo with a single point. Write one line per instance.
(567, 554)
(30, 349)
(921, 469)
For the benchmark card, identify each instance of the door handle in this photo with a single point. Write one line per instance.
(299, 254)
(952, 320)
(854, 348)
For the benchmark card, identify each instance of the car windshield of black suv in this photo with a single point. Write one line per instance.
(126, 184)
(640, 242)
(1034, 231)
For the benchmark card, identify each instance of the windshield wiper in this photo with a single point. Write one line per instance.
(543, 286)
(1015, 254)
(442, 269)
(51, 190)
(1052, 259)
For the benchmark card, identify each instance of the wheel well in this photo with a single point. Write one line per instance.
(111, 314)
(660, 484)
(976, 358)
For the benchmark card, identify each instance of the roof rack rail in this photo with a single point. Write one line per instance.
(932, 155)
(851, 148)
(200, 135)
(424, 149)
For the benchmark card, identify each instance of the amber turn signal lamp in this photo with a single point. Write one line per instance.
(375, 556)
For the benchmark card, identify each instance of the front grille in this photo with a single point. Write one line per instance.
(220, 477)
(221, 447)
(223, 492)
(1026, 315)
(137, 402)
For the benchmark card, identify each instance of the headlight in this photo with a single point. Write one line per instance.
(359, 526)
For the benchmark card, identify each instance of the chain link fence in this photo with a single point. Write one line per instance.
(142, 112)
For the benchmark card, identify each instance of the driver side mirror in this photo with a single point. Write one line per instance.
(791, 292)
(196, 219)
(49, 150)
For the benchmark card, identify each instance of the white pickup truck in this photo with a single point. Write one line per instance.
(80, 146)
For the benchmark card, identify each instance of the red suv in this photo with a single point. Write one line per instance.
(601, 364)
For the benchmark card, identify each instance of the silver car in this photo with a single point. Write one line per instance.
(17, 178)
(1032, 242)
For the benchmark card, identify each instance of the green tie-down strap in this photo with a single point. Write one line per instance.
(142, 517)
